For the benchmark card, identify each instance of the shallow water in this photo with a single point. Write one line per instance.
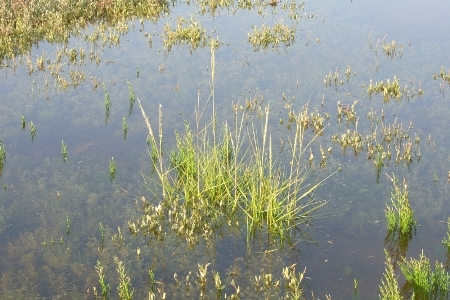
(41, 191)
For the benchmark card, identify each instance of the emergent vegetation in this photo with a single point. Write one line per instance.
(399, 214)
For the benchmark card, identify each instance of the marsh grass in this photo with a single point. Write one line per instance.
(424, 283)
(108, 104)
(186, 32)
(104, 286)
(124, 289)
(399, 214)
(231, 176)
(265, 37)
(389, 289)
(112, 169)
(2, 158)
(446, 240)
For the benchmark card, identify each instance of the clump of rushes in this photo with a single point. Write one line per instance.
(399, 214)
(389, 289)
(23, 122)
(424, 283)
(233, 177)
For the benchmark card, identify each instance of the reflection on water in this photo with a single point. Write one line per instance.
(58, 217)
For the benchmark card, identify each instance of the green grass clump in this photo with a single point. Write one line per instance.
(186, 32)
(389, 289)
(399, 214)
(389, 90)
(425, 283)
(262, 38)
(231, 177)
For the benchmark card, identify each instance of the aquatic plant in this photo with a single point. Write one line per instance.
(124, 289)
(389, 90)
(399, 214)
(186, 32)
(68, 225)
(444, 76)
(104, 286)
(425, 283)
(392, 49)
(125, 129)
(446, 240)
(2, 152)
(112, 169)
(389, 289)
(23, 122)
(2, 159)
(107, 103)
(131, 97)
(63, 150)
(213, 180)
(32, 131)
(262, 38)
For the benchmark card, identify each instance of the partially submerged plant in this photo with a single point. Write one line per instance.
(104, 286)
(446, 240)
(125, 128)
(107, 103)
(262, 38)
(112, 169)
(32, 131)
(186, 32)
(232, 178)
(63, 150)
(2, 158)
(125, 290)
(392, 49)
(399, 214)
(425, 283)
(389, 289)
